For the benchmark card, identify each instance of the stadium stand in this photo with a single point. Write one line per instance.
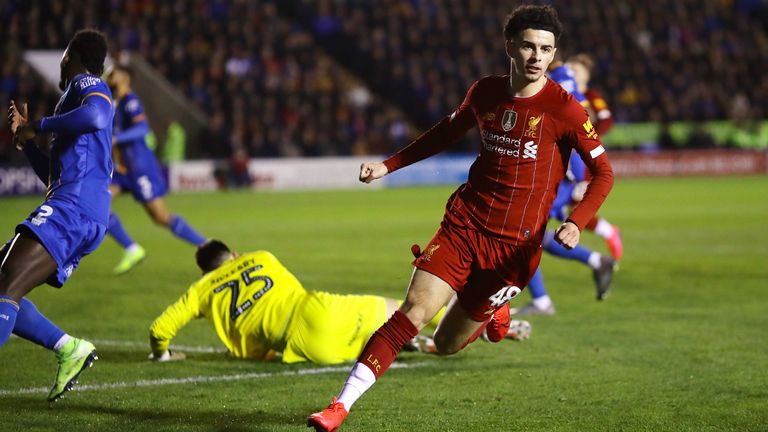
(273, 75)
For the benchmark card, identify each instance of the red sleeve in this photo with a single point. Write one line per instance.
(438, 138)
(587, 143)
(602, 112)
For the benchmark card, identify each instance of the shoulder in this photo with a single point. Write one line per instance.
(487, 88)
(491, 83)
(131, 103)
(260, 256)
(85, 84)
(562, 105)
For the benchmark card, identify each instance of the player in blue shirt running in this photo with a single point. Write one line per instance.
(567, 193)
(72, 221)
(137, 171)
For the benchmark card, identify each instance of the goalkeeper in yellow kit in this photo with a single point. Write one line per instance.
(259, 309)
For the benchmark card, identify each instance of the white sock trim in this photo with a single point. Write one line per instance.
(132, 248)
(543, 302)
(61, 342)
(594, 260)
(360, 379)
(604, 228)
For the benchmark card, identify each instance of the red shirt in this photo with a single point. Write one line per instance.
(526, 145)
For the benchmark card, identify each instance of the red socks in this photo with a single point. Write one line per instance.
(386, 343)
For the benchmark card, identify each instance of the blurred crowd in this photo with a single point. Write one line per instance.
(655, 60)
(338, 77)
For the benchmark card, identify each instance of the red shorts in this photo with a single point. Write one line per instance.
(485, 272)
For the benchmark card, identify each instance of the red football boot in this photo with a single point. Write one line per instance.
(498, 325)
(614, 244)
(329, 419)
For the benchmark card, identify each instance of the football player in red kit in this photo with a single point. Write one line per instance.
(489, 242)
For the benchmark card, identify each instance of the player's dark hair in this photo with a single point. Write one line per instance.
(89, 47)
(533, 17)
(211, 254)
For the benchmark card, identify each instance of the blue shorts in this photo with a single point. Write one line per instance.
(67, 235)
(145, 185)
(562, 201)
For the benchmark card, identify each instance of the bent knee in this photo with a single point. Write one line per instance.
(446, 344)
(162, 220)
(418, 316)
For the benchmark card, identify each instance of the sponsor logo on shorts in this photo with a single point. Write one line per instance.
(68, 271)
(427, 255)
(5, 317)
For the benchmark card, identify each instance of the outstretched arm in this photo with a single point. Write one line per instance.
(23, 133)
(588, 145)
(94, 114)
(139, 130)
(173, 319)
(438, 138)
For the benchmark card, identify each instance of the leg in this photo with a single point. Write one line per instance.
(456, 330)
(426, 296)
(25, 265)
(541, 303)
(610, 233)
(179, 227)
(133, 253)
(602, 266)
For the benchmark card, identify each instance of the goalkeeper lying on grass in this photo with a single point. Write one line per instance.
(260, 309)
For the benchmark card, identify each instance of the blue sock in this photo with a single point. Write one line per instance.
(536, 285)
(8, 311)
(182, 230)
(33, 326)
(579, 253)
(116, 230)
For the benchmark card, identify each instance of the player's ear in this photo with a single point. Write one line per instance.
(509, 46)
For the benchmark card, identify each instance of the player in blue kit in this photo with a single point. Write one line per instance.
(72, 221)
(137, 171)
(569, 191)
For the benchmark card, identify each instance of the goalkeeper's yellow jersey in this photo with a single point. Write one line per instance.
(249, 300)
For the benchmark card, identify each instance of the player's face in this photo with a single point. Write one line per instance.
(117, 81)
(64, 65)
(580, 74)
(531, 53)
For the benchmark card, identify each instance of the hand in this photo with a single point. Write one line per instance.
(168, 355)
(20, 126)
(568, 235)
(372, 171)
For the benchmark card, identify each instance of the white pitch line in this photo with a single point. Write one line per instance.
(132, 344)
(199, 379)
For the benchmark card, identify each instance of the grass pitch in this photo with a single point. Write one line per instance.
(681, 343)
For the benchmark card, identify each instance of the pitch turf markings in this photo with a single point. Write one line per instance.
(145, 345)
(200, 379)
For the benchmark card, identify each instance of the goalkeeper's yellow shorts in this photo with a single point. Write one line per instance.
(331, 328)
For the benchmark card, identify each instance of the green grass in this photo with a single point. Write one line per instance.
(680, 345)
